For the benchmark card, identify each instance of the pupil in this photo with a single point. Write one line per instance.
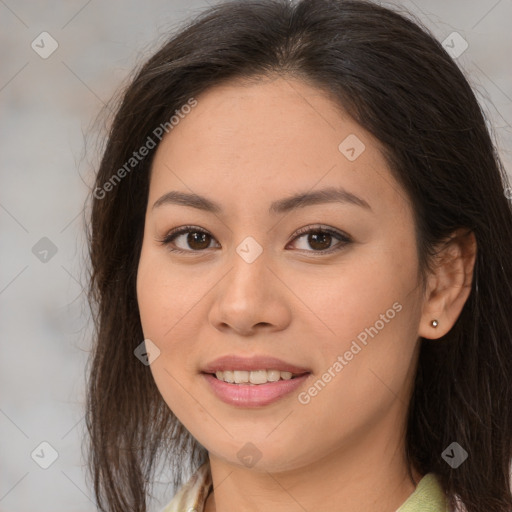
(313, 240)
(191, 239)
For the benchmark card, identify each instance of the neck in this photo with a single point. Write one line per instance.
(368, 472)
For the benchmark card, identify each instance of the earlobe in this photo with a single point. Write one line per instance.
(449, 285)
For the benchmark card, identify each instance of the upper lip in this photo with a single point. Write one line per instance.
(233, 362)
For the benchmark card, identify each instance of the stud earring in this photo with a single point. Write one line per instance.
(434, 323)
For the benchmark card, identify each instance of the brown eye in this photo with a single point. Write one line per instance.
(198, 240)
(187, 239)
(320, 239)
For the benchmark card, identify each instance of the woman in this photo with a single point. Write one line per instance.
(301, 273)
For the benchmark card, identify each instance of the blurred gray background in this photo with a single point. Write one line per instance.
(48, 104)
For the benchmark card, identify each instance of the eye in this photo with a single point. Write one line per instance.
(319, 238)
(196, 238)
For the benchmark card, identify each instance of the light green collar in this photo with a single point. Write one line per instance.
(427, 497)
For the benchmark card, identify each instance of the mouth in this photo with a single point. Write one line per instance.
(261, 393)
(254, 377)
(254, 381)
(252, 369)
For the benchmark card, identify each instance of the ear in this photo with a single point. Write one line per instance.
(449, 284)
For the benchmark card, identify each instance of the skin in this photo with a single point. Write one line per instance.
(243, 146)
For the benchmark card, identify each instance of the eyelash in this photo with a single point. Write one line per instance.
(343, 238)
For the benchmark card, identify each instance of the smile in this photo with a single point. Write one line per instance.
(250, 395)
(253, 377)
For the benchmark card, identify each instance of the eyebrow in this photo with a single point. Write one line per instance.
(300, 200)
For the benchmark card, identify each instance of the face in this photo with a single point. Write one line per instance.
(328, 285)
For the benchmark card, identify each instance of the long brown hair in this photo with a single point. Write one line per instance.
(396, 81)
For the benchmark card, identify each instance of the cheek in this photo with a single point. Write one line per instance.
(151, 300)
(164, 294)
(351, 296)
(162, 309)
(369, 312)
(169, 303)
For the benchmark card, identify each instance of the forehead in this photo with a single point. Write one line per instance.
(267, 139)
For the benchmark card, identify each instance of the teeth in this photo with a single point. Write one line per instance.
(228, 376)
(253, 377)
(241, 376)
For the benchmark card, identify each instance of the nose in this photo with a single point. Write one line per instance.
(251, 298)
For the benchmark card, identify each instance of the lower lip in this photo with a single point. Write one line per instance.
(257, 395)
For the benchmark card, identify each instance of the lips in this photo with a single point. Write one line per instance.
(233, 362)
(253, 395)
